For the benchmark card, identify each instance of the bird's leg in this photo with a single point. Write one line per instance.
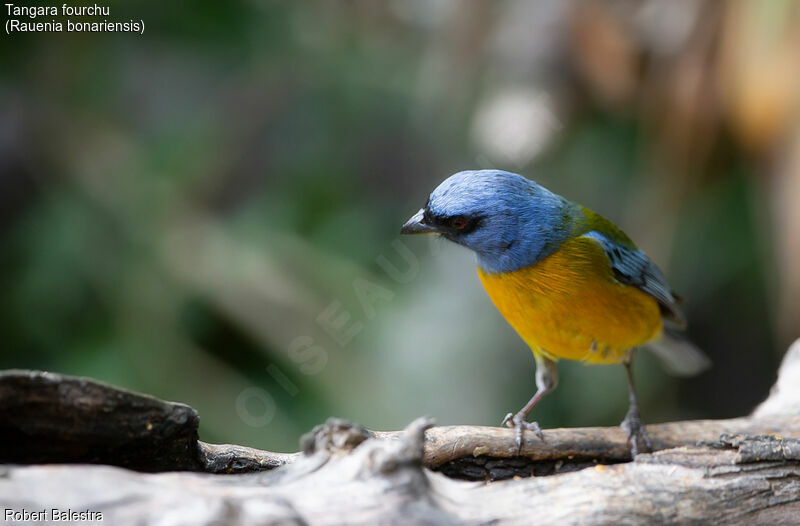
(640, 442)
(546, 381)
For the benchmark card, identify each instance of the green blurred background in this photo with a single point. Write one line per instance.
(209, 212)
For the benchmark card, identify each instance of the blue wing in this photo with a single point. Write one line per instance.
(632, 267)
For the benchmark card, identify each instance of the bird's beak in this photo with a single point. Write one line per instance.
(416, 226)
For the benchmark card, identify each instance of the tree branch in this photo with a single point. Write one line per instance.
(744, 470)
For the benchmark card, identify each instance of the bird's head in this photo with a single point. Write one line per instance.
(508, 221)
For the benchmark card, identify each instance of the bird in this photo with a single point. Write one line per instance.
(571, 283)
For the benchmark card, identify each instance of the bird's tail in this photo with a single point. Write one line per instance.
(679, 356)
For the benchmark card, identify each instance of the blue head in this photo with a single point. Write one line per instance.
(508, 221)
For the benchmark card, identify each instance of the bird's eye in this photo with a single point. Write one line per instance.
(458, 223)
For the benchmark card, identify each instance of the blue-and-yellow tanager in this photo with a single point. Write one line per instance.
(568, 280)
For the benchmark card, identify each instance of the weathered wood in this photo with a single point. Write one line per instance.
(565, 450)
(228, 458)
(55, 418)
(48, 417)
(382, 481)
(490, 453)
(740, 471)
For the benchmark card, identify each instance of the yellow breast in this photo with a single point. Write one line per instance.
(569, 305)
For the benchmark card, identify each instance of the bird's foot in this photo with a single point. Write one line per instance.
(637, 436)
(517, 422)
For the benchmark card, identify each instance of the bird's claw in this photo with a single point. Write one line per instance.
(507, 419)
(637, 436)
(518, 423)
